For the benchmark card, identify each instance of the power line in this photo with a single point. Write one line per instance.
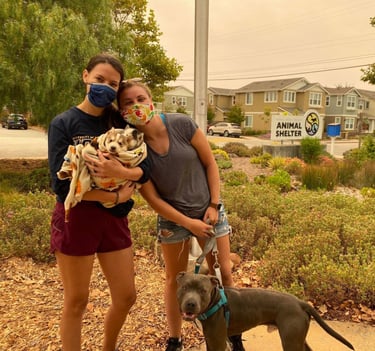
(280, 75)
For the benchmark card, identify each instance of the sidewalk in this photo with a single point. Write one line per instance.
(361, 336)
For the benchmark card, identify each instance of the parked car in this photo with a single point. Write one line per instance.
(15, 121)
(226, 129)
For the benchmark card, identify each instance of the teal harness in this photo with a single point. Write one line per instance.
(223, 302)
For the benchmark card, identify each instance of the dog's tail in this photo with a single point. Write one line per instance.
(312, 312)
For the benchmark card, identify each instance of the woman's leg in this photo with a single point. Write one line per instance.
(118, 268)
(175, 259)
(75, 274)
(223, 248)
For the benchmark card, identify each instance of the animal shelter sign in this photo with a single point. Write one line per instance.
(297, 127)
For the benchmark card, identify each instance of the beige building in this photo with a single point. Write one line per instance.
(178, 98)
(260, 100)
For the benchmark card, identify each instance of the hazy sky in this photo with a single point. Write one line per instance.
(253, 40)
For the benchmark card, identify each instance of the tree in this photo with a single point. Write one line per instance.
(235, 115)
(210, 115)
(369, 72)
(45, 45)
(147, 59)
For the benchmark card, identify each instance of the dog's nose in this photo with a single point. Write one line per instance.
(190, 305)
(112, 149)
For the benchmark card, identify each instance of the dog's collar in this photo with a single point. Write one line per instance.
(222, 302)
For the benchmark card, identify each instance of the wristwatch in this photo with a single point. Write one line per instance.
(214, 205)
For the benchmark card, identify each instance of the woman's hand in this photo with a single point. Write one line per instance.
(105, 166)
(125, 192)
(200, 228)
(211, 216)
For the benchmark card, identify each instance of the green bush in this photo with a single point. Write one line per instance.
(34, 180)
(314, 244)
(262, 160)
(280, 179)
(311, 149)
(235, 178)
(25, 225)
(316, 177)
(241, 150)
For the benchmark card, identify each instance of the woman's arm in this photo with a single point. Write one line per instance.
(118, 196)
(201, 145)
(196, 226)
(109, 167)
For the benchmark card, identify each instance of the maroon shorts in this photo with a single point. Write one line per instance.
(90, 229)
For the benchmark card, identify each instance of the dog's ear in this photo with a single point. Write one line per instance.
(180, 275)
(94, 143)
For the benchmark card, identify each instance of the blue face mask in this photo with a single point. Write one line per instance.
(101, 95)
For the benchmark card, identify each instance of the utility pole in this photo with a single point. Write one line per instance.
(201, 62)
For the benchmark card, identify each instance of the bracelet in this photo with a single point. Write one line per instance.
(117, 198)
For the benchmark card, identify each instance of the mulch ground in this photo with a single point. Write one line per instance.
(31, 302)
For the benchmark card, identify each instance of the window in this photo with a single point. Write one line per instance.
(339, 101)
(328, 100)
(289, 96)
(181, 101)
(315, 99)
(351, 102)
(249, 99)
(210, 99)
(367, 105)
(349, 124)
(270, 96)
(248, 123)
(338, 120)
(233, 100)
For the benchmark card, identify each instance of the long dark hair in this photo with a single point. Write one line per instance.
(111, 113)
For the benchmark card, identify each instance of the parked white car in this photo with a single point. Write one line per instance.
(226, 129)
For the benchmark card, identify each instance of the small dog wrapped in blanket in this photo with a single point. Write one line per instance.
(128, 147)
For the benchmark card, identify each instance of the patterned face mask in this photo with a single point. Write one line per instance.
(138, 114)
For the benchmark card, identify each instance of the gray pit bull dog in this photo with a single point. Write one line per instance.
(200, 296)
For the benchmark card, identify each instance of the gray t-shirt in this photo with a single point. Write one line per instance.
(179, 175)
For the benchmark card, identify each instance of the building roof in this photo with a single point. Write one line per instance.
(367, 93)
(341, 90)
(222, 91)
(269, 85)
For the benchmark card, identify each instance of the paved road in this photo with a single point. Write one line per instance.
(32, 143)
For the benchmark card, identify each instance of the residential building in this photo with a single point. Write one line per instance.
(221, 101)
(342, 108)
(179, 98)
(366, 109)
(262, 99)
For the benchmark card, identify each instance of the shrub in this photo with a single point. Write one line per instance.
(235, 178)
(26, 225)
(220, 154)
(294, 165)
(280, 179)
(365, 175)
(277, 163)
(316, 177)
(311, 149)
(262, 160)
(346, 170)
(34, 180)
(238, 149)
